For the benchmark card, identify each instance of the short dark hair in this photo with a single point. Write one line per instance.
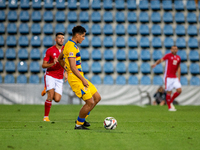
(78, 29)
(59, 33)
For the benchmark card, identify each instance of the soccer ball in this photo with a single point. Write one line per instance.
(110, 123)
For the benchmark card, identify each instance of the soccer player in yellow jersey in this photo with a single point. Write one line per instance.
(70, 59)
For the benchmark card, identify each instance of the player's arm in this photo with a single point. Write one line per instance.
(179, 72)
(60, 60)
(157, 62)
(48, 65)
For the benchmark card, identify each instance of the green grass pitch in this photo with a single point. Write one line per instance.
(139, 128)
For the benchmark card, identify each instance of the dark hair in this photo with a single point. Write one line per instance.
(59, 33)
(78, 29)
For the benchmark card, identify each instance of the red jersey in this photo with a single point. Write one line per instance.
(56, 70)
(172, 64)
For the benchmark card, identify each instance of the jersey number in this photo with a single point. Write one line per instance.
(174, 62)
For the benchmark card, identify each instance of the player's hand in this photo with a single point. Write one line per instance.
(65, 77)
(153, 66)
(55, 60)
(85, 83)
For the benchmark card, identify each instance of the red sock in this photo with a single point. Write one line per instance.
(47, 107)
(174, 96)
(168, 100)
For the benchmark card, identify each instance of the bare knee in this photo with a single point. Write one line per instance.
(90, 102)
(56, 100)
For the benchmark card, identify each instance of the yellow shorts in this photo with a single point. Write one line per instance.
(79, 89)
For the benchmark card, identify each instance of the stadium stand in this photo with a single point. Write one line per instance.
(121, 55)
(195, 81)
(145, 55)
(108, 54)
(158, 80)
(108, 79)
(22, 79)
(48, 4)
(132, 17)
(145, 80)
(158, 69)
(96, 29)
(10, 53)
(96, 5)
(22, 67)
(96, 67)
(178, 5)
(133, 67)
(34, 79)
(1, 67)
(155, 5)
(9, 79)
(72, 4)
(145, 68)
(120, 80)
(96, 79)
(85, 67)
(121, 67)
(60, 4)
(119, 4)
(194, 55)
(10, 66)
(133, 80)
(167, 4)
(23, 54)
(108, 67)
(96, 54)
(184, 80)
(133, 54)
(1, 53)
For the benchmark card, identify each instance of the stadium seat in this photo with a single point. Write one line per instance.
(120, 4)
(72, 16)
(155, 17)
(107, 4)
(24, 16)
(60, 28)
(12, 15)
(120, 80)
(2, 28)
(84, 16)
(44, 52)
(156, 42)
(12, 4)
(23, 54)
(194, 68)
(35, 54)
(35, 28)
(144, 5)
(108, 29)
(120, 29)
(120, 42)
(60, 16)
(192, 30)
(60, 4)
(36, 4)
(179, 17)
(155, 5)
(191, 18)
(72, 4)
(22, 67)
(96, 54)
(167, 51)
(168, 42)
(158, 69)
(121, 55)
(34, 67)
(145, 80)
(10, 53)
(184, 69)
(144, 17)
(96, 16)
(86, 28)
(178, 5)
(23, 28)
(36, 16)
(96, 67)
(96, 29)
(121, 67)
(85, 42)
(1, 53)
(48, 4)
(157, 54)
(144, 42)
(12, 28)
(156, 29)
(195, 81)
(85, 67)
(120, 17)
(96, 5)
(48, 28)
(183, 80)
(108, 54)
(167, 17)
(9, 79)
(145, 68)
(108, 17)
(85, 55)
(144, 29)
(84, 4)
(133, 67)
(132, 54)
(2, 5)
(11, 41)
(35, 41)
(47, 41)
(167, 4)
(191, 5)
(193, 43)
(180, 42)
(108, 42)
(34, 79)
(108, 79)
(133, 80)
(132, 29)
(180, 30)
(132, 17)
(157, 80)
(48, 16)
(24, 4)
(168, 30)
(1, 67)
(194, 55)
(2, 15)
(96, 79)
(23, 41)
(1, 40)
(21, 79)
(199, 5)
(182, 54)
(10, 66)
(108, 67)
(131, 4)
(199, 18)
(96, 41)
(69, 28)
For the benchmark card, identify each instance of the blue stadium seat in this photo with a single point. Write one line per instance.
(85, 67)
(10, 53)
(1, 67)
(2, 15)
(23, 41)
(157, 54)
(145, 68)
(96, 29)
(108, 79)
(23, 54)
(84, 16)
(156, 42)
(108, 54)
(22, 67)
(108, 29)
(2, 5)
(12, 4)
(85, 55)
(120, 80)
(167, 4)
(96, 54)
(96, 16)
(155, 5)
(1, 40)
(2, 28)
(107, 4)
(24, 4)
(23, 28)
(194, 55)
(132, 67)
(156, 29)
(11, 40)
(144, 17)
(47, 41)
(35, 41)
(167, 17)
(96, 79)
(191, 5)
(48, 4)
(133, 80)
(131, 4)
(84, 4)
(12, 28)
(86, 28)
(60, 4)
(167, 51)
(96, 67)
(36, 4)
(120, 29)
(179, 17)
(145, 55)
(108, 67)
(120, 4)
(35, 67)
(96, 5)
(194, 68)
(36, 16)
(72, 4)
(35, 54)
(144, 5)
(184, 69)
(24, 16)
(48, 28)
(193, 43)
(155, 17)
(195, 81)
(44, 52)
(192, 30)
(157, 80)
(96, 41)
(108, 42)
(199, 17)
(120, 42)
(85, 42)
(21, 79)
(132, 17)
(1, 53)
(60, 28)
(10, 66)
(34, 79)
(144, 42)
(180, 30)
(120, 17)
(199, 5)
(35, 28)
(132, 54)
(121, 55)
(60, 16)
(168, 42)
(107, 16)
(184, 80)
(182, 54)
(12, 15)
(69, 28)
(145, 80)
(181, 43)
(144, 29)
(72, 16)
(48, 16)
(9, 79)
(191, 18)
(168, 30)
(178, 5)
(132, 29)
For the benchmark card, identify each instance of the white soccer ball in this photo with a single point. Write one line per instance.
(110, 123)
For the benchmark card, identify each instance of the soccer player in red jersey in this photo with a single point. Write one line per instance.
(53, 77)
(172, 62)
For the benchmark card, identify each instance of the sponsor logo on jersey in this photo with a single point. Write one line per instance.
(54, 54)
(71, 54)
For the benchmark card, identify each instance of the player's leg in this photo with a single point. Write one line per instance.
(177, 86)
(96, 98)
(162, 103)
(44, 90)
(168, 89)
(58, 90)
